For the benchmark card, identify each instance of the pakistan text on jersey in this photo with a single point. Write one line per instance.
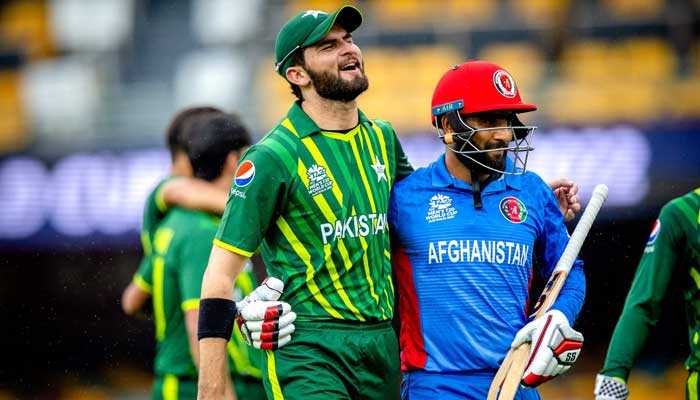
(469, 251)
(354, 226)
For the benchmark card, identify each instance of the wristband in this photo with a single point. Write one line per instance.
(216, 317)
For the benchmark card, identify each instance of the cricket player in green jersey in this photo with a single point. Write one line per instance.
(181, 247)
(673, 248)
(313, 194)
(179, 189)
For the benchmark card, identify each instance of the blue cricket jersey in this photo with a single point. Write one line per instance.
(464, 274)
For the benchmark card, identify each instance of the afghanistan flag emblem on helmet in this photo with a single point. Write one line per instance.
(513, 210)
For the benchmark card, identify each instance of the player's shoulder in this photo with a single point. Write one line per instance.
(678, 206)
(382, 124)
(418, 179)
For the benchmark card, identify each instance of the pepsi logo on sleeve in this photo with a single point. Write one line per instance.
(244, 174)
(654, 232)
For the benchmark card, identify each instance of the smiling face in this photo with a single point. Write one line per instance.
(334, 66)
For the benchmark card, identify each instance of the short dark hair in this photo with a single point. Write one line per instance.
(175, 133)
(297, 59)
(210, 139)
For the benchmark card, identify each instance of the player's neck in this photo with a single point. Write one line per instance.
(459, 170)
(330, 114)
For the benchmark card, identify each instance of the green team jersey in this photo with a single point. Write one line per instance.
(673, 247)
(181, 247)
(153, 213)
(316, 203)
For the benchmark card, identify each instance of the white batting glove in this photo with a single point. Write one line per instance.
(264, 322)
(609, 388)
(555, 346)
(270, 289)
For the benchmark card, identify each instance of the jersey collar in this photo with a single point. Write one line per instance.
(441, 177)
(304, 125)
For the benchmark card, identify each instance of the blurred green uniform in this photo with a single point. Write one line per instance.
(181, 247)
(153, 213)
(672, 248)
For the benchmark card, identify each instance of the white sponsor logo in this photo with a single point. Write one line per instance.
(319, 181)
(237, 193)
(355, 226)
(440, 208)
(470, 251)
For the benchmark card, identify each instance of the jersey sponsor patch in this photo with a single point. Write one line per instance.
(654, 233)
(513, 210)
(504, 83)
(440, 208)
(244, 174)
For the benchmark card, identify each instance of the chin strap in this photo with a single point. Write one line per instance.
(476, 191)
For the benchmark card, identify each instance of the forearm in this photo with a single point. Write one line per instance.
(573, 293)
(213, 372)
(195, 194)
(222, 270)
(628, 340)
(133, 299)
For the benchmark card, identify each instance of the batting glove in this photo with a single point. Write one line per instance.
(555, 346)
(609, 388)
(264, 322)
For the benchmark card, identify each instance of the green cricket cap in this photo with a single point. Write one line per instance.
(307, 28)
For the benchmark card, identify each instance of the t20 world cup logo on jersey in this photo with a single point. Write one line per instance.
(319, 181)
(440, 208)
(513, 210)
(244, 174)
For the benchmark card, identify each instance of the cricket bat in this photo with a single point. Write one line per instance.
(511, 371)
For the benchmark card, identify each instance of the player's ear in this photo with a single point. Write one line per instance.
(448, 138)
(298, 76)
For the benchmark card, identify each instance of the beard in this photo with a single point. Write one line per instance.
(493, 159)
(333, 87)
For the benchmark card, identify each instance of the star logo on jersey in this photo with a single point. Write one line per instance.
(313, 13)
(513, 210)
(379, 168)
(319, 181)
(440, 208)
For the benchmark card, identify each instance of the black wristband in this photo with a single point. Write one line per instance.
(216, 317)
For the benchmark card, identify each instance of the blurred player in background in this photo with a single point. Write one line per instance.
(314, 195)
(464, 233)
(673, 248)
(181, 247)
(179, 189)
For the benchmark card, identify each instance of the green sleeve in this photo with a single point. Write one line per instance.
(153, 213)
(143, 278)
(644, 300)
(253, 205)
(193, 259)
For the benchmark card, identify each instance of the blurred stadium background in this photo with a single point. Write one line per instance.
(88, 86)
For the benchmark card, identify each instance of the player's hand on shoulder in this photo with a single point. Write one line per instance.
(555, 346)
(264, 322)
(566, 193)
(610, 388)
